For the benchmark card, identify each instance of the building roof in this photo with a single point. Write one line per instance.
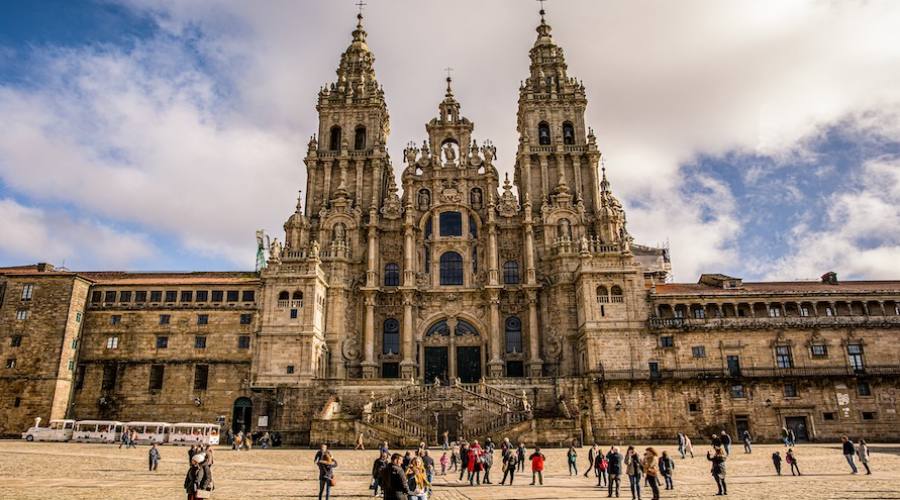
(779, 287)
(139, 278)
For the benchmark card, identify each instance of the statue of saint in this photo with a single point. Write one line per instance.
(424, 200)
(449, 153)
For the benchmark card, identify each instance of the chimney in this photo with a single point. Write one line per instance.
(830, 278)
(43, 267)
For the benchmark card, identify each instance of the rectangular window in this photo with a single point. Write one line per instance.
(804, 311)
(790, 391)
(22, 314)
(231, 296)
(246, 319)
(157, 374)
(290, 369)
(828, 415)
(200, 342)
(79, 377)
(78, 316)
(868, 415)
(140, 297)
(71, 365)
(244, 342)
(125, 296)
(698, 351)
(96, 297)
(202, 295)
(217, 295)
(737, 392)
(863, 389)
(293, 314)
(855, 356)
(112, 342)
(155, 296)
(74, 344)
(694, 407)
(162, 342)
(187, 296)
(699, 313)
(15, 341)
(679, 313)
(109, 297)
(783, 358)
(390, 370)
(450, 223)
(11, 362)
(819, 350)
(164, 319)
(203, 319)
(201, 377)
(248, 296)
(667, 341)
(115, 319)
(654, 369)
(18, 402)
(171, 295)
(27, 291)
(774, 312)
(110, 374)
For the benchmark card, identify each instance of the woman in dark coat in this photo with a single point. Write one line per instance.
(326, 464)
(198, 482)
(718, 470)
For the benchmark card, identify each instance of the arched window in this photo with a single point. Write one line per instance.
(564, 229)
(511, 272)
(450, 223)
(284, 295)
(439, 328)
(390, 340)
(568, 133)
(451, 269)
(616, 294)
(602, 294)
(334, 142)
(543, 134)
(391, 275)
(359, 138)
(297, 298)
(463, 327)
(513, 335)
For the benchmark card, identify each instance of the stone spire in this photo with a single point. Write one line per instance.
(449, 107)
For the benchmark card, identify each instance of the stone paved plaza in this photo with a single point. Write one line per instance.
(65, 470)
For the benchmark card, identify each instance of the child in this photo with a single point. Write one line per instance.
(537, 466)
(154, 457)
(792, 460)
(444, 462)
(776, 461)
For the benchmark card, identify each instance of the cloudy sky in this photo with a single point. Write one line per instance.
(759, 139)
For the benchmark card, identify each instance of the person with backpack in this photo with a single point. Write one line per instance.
(776, 461)
(791, 459)
(614, 470)
(666, 469)
(537, 465)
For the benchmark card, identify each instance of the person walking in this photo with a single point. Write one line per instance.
(776, 461)
(634, 470)
(487, 461)
(726, 442)
(718, 470)
(445, 461)
(521, 455)
(326, 464)
(791, 459)
(792, 438)
(681, 444)
(418, 482)
(688, 446)
(198, 481)
(154, 457)
(123, 439)
(132, 439)
(446, 440)
(454, 457)
(475, 464)
(745, 437)
(509, 466)
(360, 444)
(601, 465)
(862, 451)
(393, 480)
(323, 449)
(428, 463)
(380, 463)
(849, 451)
(463, 459)
(537, 465)
(785, 436)
(592, 455)
(716, 441)
(666, 469)
(650, 463)
(614, 470)
(571, 459)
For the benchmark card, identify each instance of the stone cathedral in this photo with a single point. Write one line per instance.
(453, 299)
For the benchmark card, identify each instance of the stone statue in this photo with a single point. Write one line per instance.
(476, 198)
(339, 232)
(260, 250)
(275, 250)
(437, 382)
(525, 404)
(457, 382)
(424, 200)
(449, 153)
(314, 251)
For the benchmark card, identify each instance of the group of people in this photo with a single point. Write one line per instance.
(128, 439)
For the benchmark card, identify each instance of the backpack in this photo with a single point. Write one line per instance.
(604, 463)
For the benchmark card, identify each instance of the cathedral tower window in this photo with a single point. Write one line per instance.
(334, 142)
(390, 340)
(359, 138)
(511, 272)
(297, 299)
(451, 269)
(615, 294)
(391, 275)
(544, 134)
(513, 335)
(568, 133)
(602, 294)
(451, 224)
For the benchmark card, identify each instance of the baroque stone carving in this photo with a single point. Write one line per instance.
(508, 205)
(350, 347)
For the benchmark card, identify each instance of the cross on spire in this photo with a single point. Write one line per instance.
(361, 4)
(449, 70)
(542, 8)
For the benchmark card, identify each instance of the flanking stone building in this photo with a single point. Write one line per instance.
(401, 308)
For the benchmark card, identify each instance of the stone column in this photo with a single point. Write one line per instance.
(368, 364)
(360, 163)
(372, 261)
(535, 364)
(576, 176)
(545, 177)
(530, 274)
(451, 357)
(409, 249)
(526, 176)
(407, 338)
(495, 365)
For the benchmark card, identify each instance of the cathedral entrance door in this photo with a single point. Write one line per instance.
(436, 364)
(468, 364)
(240, 417)
(447, 421)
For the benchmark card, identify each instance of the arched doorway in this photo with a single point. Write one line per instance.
(456, 355)
(241, 415)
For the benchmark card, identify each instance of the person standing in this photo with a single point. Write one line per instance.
(191, 452)
(785, 436)
(198, 478)
(745, 437)
(571, 459)
(726, 442)
(385, 449)
(792, 438)
(776, 461)
(537, 465)
(446, 440)
(454, 457)
(592, 454)
(681, 444)
(666, 469)
(862, 451)
(380, 463)
(509, 466)
(650, 464)
(474, 463)
(154, 457)
(123, 439)
(444, 463)
(463, 459)
(718, 470)
(326, 464)
(849, 450)
(614, 470)
(393, 480)
(791, 459)
(415, 476)
(635, 470)
(428, 463)
(520, 451)
(487, 461)
(601, 464)
(688, 446)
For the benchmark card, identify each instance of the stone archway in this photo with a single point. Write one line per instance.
(452, 348)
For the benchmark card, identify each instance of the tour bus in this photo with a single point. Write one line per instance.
(149, 432)
(192, 433)
(97, 431)
(59, 430)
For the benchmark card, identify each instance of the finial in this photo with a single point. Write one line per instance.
(449, 70)
(299, 201)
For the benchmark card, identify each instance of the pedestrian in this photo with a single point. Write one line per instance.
(614, 470)
(681, 444)
(635, 470)
(688, 446)
(572, 457)
(791, 459)
(463, 459)
(198, 480)
(380, 463)
(716, 441)
(428, 463)
(444, 462)
(208, 450)
(505, 446)
(323, 448)
(360, 444)
(521, 456)
(418, 482)
(651, 469)
(154, 457)
(726, 442)
(393, 480)
(229, 438)
(509, 466)
(446, 440)
(666, 469)
(745, 437)
(537, 465)
(718, 470)
(862, 451)
(384, 448)
(776, 461)
(487, 461)
(238, 442)
(191, 452)
(849, 450)
(475, 463)
(407, 459)
(326, 464)
(592, 454)
(785, 436)
(601, 465)
(454, 457)
(132, 439)
(792, 438)
(123, 439)
(248, 442)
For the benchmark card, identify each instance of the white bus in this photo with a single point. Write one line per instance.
(149, 432)
(193, 433)
(59, 430)
(97, 431)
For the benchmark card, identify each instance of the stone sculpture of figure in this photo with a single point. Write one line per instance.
(489, 153)
(339, 232)
(457, 381)
(314, 251)
(367, 411)
(449, 153)
(437, 381)
(476, 198)
(525, 404)
(424, 200)
(275, 250)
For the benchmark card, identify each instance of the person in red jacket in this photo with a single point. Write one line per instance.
(475, 464)
(537, 466)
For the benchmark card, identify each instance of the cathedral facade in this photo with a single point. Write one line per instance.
(443, 300)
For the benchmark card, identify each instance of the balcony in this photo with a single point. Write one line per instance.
(772, 322)
(748, 373)
(290, 304)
